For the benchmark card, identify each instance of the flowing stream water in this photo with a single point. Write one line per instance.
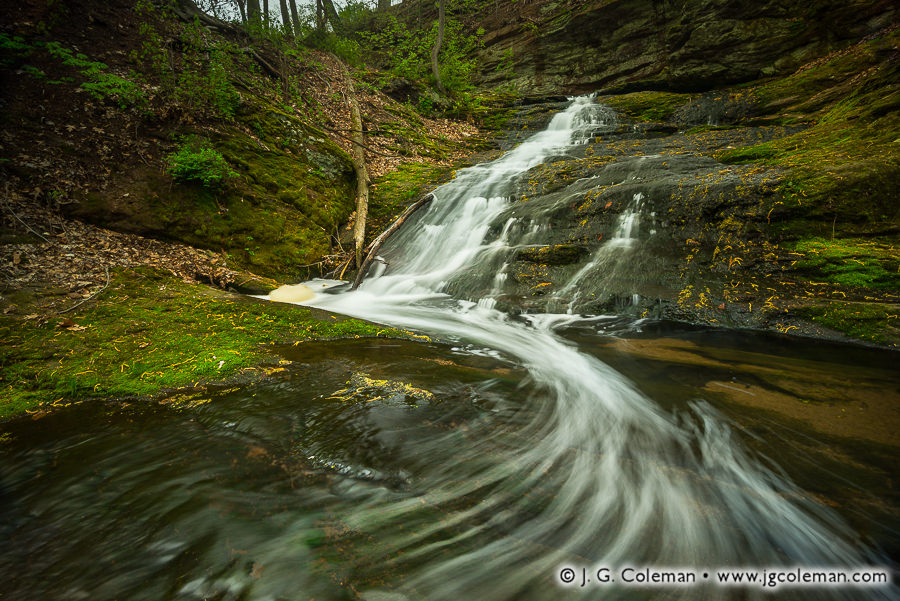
(528, 456)
(605, 476)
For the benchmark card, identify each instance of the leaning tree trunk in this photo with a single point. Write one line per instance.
(241, 4)
(435, 51)
(331, 14)
(286, 19)
(295, 17)
(362, 177)
(376, 244)
(359, 166)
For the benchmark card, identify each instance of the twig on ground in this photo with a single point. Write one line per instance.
(9, 206)
(94, 295)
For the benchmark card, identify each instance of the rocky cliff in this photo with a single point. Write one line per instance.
(687, 45)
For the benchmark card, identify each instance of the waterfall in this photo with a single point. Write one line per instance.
(585, 469)
(610, 257)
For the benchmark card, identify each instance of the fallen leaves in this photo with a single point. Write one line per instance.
(76, 259)
(71, 326)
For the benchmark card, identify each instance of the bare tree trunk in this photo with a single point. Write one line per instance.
(359, 165)
(362, 177)
(265, 9)
(286, 18)
(241, 4)
(320, 16)
(295, 17)
(253, 11)
(331, 13)
(435, 51)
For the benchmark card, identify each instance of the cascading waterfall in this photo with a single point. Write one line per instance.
(609, 258)
(587, 470)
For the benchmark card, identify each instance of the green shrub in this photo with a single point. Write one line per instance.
(198, 162)
(107, 86)
(407, 52)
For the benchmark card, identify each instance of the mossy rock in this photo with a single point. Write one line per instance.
(554, 254)
(869, 322)
(293, 190)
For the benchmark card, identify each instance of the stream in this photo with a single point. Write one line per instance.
(523, 456)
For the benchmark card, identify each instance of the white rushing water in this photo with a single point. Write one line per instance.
(589, 470)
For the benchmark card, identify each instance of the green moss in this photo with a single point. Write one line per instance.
(647, 106)
(864, 321)
(150, 332)
(853, 262)
(843, 172)
(391, 193)
(555, 254)
(815, 89)
(494, 109)
(699, 129)
(292, 191)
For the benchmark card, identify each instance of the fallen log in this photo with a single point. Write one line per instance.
(377, 242)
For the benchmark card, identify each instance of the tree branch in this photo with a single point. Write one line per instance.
(376, 244)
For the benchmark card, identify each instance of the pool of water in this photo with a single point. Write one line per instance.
(257, 492)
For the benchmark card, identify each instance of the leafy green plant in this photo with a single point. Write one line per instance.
(407, 53)
(101, 84)
(12, 47)
(198, 162)
(108, 86)
(34, 72)
(196, 77)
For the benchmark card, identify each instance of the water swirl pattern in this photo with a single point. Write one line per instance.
(589, 471)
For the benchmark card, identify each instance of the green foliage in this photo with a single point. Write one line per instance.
(12, 48)
(346, 49)
(107, 86)
(197, 161)
(99, 82)
(197, 75)
(407, 53)
(34, 72)
(507, 64)
(850, 262)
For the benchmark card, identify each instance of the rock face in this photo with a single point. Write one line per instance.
(293, 187)
(663, 44)
(646, 219)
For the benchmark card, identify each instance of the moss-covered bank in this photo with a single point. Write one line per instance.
(149, 333)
